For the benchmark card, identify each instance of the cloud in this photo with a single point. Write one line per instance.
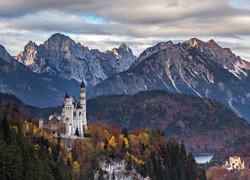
(106, 23)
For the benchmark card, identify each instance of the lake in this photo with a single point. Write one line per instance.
(203, 158)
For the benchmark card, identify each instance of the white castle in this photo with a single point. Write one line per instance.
(74, 114)
(234, 163)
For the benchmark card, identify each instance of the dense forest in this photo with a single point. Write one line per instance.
(26, 152)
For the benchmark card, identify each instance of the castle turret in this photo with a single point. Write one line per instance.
(82, 95)
(83, 122)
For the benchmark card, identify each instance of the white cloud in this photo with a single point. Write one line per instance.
(107, 23)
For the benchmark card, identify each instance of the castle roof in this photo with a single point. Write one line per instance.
(66, 95)
(82, 85)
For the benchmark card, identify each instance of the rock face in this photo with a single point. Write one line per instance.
(41, 90)
(62, 56)
(193, 67)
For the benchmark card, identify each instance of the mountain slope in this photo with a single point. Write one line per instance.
(193, 67)
(62, 56)
(33, 89)
(202, 124)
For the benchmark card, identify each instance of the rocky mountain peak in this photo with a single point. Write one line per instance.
(29, 52)
(30, 46)
(152, 50)
(59, 36)
(213, 43)
(123, 46)
(194, 42)
(121, 51)
(59, 42)
(31, 43)
(4, 55)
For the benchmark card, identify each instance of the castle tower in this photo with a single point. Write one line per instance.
(83, 119)
(68, 113)
(82, 95)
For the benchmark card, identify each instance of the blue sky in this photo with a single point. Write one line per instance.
(140, 24)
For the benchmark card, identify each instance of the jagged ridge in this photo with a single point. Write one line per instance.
(62, 56)
(193, 67)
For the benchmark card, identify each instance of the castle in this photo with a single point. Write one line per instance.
(73, 121)
(74, 114)
(234, 163)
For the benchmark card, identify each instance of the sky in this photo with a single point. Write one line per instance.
(104, 24)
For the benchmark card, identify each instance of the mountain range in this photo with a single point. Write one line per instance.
(62, 56)
(40, 75)
(193, 67)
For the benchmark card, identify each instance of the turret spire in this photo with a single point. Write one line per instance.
(82, 84)
(66, 95)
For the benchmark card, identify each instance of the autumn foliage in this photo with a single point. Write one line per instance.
(145, 150)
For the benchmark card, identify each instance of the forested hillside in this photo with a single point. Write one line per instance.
(28, 153)
(145, 151)
(202, 124)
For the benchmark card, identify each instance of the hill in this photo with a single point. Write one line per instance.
(202, 124)
(30, 111)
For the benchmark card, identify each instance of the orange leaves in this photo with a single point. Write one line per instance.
(125, 140)
(112, 142)
(143, 137)
(134, 159)
(26, 127)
